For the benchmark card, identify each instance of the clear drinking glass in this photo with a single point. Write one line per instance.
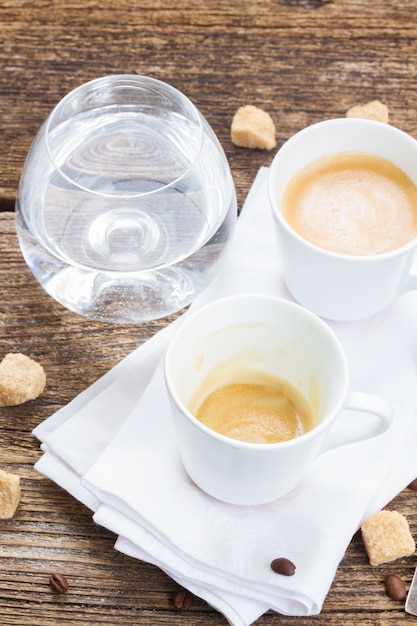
(126, 201)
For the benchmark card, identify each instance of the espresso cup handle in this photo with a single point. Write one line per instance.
(409, 281)
(364, 429)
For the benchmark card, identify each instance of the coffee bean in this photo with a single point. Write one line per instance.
(283, 566)
(395, 587)
(413, 485)
(59, 583)
(183, 600)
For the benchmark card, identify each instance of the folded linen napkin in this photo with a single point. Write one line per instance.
(113, 447)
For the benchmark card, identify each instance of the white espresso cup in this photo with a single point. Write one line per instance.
(273, 336)
(333, 285)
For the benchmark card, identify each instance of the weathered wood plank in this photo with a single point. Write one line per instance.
(302, 61)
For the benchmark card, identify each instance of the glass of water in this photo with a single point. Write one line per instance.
(126, 201)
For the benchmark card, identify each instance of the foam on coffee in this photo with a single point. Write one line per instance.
(352, 203)
(253, 407)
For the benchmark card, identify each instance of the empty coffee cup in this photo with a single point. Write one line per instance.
(256, 384)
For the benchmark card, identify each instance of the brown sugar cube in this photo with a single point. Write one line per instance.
(9, 494)
(21, 379)
(253, 128)
(374, 110)
(387, 537)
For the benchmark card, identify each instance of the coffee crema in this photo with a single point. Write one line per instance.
(352, 203)
(253, 407)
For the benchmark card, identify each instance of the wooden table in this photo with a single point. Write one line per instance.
(302, 61)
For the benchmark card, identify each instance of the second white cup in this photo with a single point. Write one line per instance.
(334, 285)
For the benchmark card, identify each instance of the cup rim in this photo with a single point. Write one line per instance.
(237, 443)
(280, 219)
(124, 78)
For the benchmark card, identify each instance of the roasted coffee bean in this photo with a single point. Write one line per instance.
(283, 566)
(59, 583)
(183, 600)
(395, 587)
(413, 485)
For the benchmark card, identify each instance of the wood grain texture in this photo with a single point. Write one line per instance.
(302, 61)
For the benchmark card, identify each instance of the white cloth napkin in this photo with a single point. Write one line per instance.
(114, 448)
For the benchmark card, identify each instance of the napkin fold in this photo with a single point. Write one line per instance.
(114, 449)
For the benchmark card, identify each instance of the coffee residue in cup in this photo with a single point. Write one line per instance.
(254, 407)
